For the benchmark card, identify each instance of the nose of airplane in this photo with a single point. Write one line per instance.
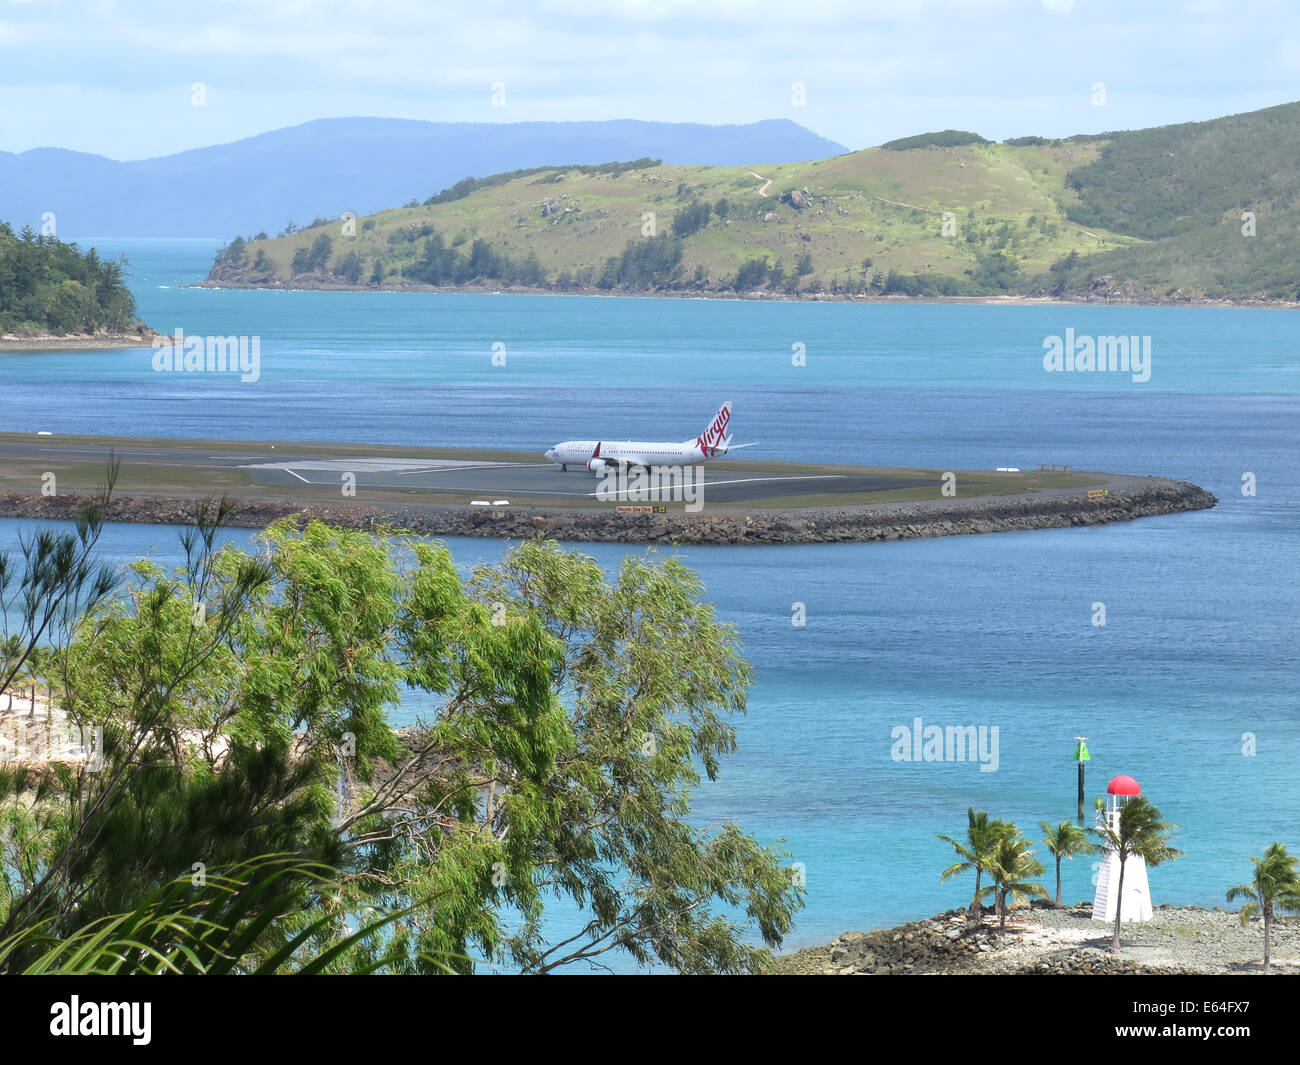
(550, 453)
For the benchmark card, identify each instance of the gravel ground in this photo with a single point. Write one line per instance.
(1043, 940)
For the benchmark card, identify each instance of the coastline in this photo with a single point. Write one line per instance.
(590, 291)
(1126, 499)
(141, 338)
(1041, 940)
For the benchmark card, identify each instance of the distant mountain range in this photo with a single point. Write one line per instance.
(326, 167)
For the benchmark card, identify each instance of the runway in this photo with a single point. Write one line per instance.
(495, 481)
(455, 477)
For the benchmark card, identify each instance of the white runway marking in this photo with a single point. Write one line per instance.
(292, 474)
(468, 466)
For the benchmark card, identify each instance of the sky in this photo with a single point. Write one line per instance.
(132, 80)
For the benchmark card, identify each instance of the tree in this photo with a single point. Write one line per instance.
(235, 253)
(1275, 886)
(1142, 832)
(350, 267)
(803, 264)
(751, 274)
(243, 701)
(49, 286)
(691, 219)
(1065, 841)
(982, 837)
(1013, 869)
(319, 256)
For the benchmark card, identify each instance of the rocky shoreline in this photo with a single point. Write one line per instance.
(1041, 940)
(1126, 498)
(140, 337)
(1123, 295)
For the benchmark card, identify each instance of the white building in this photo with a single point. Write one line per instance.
(1136, 904)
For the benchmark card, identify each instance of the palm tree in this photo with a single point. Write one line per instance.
(1013, 868)
(37, 665)
(1065, 841)
(982, 837)
(1142, 832)
(11, 653)
(1276, 886)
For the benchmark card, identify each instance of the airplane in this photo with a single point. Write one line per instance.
(596, 455)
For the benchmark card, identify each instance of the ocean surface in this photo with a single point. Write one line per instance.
(1197, 659)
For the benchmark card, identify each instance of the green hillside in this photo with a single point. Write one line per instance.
(1147, 214)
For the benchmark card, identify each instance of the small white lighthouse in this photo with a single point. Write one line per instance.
(1136, 904)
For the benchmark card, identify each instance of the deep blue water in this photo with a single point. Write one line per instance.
(1199, 645)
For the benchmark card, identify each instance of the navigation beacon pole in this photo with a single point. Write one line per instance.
(1081, 756)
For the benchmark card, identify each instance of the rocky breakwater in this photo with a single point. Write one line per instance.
(1041, 940)
(1125, 499)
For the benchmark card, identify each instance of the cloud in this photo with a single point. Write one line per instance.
(88, 72)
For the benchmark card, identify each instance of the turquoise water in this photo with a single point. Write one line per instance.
(1199, 645)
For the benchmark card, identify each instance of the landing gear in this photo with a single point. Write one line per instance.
(564, 468)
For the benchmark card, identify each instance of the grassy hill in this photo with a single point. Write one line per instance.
(1147, 214)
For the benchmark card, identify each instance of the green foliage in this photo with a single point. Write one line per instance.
(319, 255)
(468, 185)
(948, 138)
(216, 924)
(1065, 840)
(234, 254)
(648, 263)
(691, 219)
(47, 286)
(349, 267)
(997, 272)
(751, 274)
(1275, 887)
(1161, 182)
(243, 702)
(1012, 867)
(442, 264)
(900, 284)
(982, 838)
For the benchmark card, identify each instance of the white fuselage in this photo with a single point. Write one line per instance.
(601, 455)
(630, 452)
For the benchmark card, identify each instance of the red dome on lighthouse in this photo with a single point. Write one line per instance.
(1123, 786)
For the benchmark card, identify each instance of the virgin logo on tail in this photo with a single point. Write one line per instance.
(716, 433)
